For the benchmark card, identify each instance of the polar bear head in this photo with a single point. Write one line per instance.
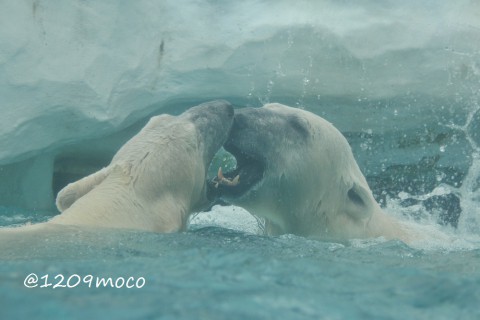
(156, 179)
(298, 172)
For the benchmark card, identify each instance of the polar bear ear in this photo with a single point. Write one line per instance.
(358, 202)
(300, 125)
(75, 190)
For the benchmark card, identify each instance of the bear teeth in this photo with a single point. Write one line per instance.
(221, 180)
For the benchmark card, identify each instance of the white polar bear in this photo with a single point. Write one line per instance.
(298, 172)
(156, 180)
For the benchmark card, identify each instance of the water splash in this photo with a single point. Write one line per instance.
(467, 234)
(469, 191)
(230, 217)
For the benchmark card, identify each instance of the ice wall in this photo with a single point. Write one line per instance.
(76, 75)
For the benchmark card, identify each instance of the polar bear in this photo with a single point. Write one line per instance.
(156, 180)
(297, 171)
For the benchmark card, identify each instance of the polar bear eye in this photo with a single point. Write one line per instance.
(355, 197)
(300, 125)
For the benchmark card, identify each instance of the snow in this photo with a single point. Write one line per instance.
(76, 75)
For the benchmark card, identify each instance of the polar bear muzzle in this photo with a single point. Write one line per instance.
(212, 121)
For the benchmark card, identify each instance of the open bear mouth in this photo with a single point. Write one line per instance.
(235, 183)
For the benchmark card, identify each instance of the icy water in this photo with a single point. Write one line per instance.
(223, 269)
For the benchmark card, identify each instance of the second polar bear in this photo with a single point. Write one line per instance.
(298, 172)
(155, 181)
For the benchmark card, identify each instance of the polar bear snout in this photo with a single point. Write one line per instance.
(213, 121)
(219, 111)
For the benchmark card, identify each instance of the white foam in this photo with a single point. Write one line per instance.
(432, 235)
(230, 217)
